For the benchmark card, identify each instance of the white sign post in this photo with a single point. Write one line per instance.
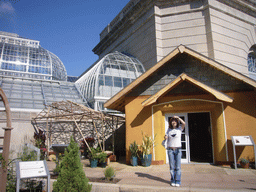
(242, 141)
(32, 169)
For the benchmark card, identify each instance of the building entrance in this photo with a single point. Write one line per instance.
(184, 136)
(200, 140)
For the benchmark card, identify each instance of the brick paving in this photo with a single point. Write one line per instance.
(195, 177)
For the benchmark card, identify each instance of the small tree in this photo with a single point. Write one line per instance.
(72, 177)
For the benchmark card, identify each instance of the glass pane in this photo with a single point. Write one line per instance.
(101, 80)
(131, 67)
(123, 66)
(115, 66)
(126, 82)
(117, 82)
(184, 155)
(183, 145)
(183, 137)
(139, 68)
(108, 81)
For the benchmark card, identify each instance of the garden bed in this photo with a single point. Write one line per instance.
(103, 180)
(95, 179)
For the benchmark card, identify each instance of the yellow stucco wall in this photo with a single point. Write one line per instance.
(238, 120)
(241, 120)
(138, 119)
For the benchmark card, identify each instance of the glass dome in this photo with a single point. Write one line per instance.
(107, 77)
(23, 57)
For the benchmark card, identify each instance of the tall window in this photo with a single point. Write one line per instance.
(251, 61)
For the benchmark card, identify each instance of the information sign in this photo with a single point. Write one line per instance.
(32, 169)
(242, 141)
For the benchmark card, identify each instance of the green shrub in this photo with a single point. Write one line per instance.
(27, 155)
(57, 163)
(109, 173)
(71, 177)
(102, 157)
(94, 153)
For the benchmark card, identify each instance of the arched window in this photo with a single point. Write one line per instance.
(251, 61)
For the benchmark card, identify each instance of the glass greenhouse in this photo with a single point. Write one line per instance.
(107, 77)
(23, 57)
(36, 94)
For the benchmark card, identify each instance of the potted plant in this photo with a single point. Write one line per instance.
(134, 148)
(102, 158)
(93, 157)
(146, 148)
(244, 163)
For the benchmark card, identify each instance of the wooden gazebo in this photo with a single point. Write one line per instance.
(64, 119)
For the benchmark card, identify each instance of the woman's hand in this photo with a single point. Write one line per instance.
(181, 121)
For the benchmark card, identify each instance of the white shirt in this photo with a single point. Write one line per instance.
(174, 137)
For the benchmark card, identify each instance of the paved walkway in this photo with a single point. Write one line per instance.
(195, 177)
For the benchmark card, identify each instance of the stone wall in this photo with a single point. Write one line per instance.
(182, 23)
(233, 34)
(22, 132)
(222, 30)
(135, 34)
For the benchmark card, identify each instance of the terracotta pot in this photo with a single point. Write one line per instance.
(245, 166)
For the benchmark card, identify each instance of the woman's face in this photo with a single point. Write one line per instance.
(174, 123)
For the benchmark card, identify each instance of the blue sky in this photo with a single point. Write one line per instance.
(69, 29)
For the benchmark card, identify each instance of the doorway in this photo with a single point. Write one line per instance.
(200, 137)
(184, 136)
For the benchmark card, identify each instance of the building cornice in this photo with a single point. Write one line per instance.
(119, 25)
(246, 6)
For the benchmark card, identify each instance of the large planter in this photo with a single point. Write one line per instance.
(146, 160)
(94, 163)
(134, 161)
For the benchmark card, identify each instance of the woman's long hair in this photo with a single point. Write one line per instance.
(170, 123)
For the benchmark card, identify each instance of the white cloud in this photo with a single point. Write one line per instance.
(6, 7)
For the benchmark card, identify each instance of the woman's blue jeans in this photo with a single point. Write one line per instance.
(174, 156)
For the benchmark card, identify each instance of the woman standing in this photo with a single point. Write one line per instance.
(173, 136)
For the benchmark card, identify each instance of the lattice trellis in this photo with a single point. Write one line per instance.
(64, 119)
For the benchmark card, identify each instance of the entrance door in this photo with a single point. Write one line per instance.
(200, 140)
(184, 136)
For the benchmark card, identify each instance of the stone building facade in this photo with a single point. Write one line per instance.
(223, 30)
